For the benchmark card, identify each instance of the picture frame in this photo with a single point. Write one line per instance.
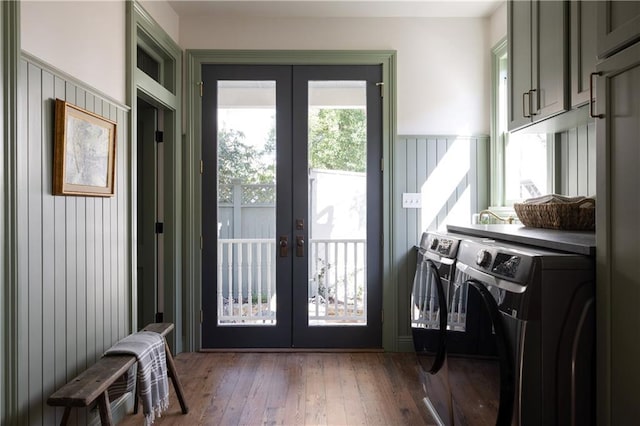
(84, 152)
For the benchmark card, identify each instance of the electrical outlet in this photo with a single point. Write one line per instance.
(411, 200)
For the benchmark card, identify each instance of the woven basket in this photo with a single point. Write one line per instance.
(577, 215)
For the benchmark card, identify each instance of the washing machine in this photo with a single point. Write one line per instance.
(429, 300)
(443, 320)
(537, 363)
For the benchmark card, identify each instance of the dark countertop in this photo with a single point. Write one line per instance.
(579, 242)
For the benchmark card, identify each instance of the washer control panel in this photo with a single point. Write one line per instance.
(500, 263)
(441, 244)
(506, 265)
(497, 260)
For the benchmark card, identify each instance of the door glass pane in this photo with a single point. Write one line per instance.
(337, 163)
(246, 289)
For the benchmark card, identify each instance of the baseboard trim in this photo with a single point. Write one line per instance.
(405, 344)
(289, 350)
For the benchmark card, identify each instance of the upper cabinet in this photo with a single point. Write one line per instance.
(618, 26)
(538, 60)
(519, 67)
(583, 49)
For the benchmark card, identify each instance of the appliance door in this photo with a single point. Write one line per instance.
(429, 314)
(483, 387)
(429, 328)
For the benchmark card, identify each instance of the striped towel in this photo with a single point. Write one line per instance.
(123, 384)
(153, 385)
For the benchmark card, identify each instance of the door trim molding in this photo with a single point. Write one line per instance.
(143, 30)
(10, 30)
(192, 157)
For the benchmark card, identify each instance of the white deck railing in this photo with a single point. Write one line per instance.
(246, 280)
(337, 290)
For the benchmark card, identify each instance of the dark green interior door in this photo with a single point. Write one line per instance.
(150, 214)
(292, 192)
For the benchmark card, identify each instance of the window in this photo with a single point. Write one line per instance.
(148, 64)
(525, 167)
(155, 60)
(520, 161)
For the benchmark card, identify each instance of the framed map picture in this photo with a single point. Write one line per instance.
(84, 152)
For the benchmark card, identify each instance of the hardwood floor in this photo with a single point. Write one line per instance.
(296, 389)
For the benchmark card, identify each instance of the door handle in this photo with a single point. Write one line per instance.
(592, 101)
(284, 246)
(300, 246)
(523, 104)
(531, 113)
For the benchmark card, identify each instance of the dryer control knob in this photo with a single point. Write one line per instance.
(483, 258)
(434, 244)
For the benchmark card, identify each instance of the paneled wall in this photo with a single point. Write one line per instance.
(73, 258)
(576, 164)
(451, 174)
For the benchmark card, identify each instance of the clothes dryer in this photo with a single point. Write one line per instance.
(541, 309)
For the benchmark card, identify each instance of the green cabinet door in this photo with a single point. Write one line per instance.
(618, 26)
(519, 55)
(618, 238)
(538, 38)
(550, 58)
(583, 49)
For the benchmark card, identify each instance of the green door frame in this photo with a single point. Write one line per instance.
(143, 31)
(193, 166)
(10, 40)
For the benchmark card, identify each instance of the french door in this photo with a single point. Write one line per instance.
(292, 206)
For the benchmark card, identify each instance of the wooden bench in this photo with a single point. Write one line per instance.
(93, 383)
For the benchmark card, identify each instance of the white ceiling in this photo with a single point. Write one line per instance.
(336, 9)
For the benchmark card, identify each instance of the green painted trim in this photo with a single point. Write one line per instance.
(472, 136)
(390, 285)
(67, 77)
(10, 39)
(553, 162)
(405, 344)
(3, 226)
(496, 162)
(193, 262)
(168, 98)
(292, 57)
(158, 94)
(152, 28)
(131, 40)
(193, 204)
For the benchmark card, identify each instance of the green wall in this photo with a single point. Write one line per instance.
(417, 160)
(72, 253)
(576, 161)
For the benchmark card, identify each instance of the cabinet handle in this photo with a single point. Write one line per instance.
(591, 100)
(523, 103)
(530, 107)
